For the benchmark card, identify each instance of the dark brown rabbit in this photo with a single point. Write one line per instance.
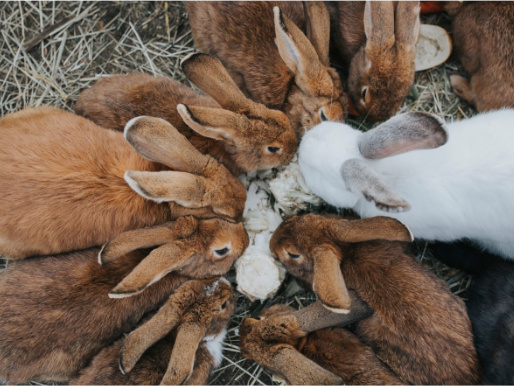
(483, 36)
(419, 329)
(375, 42)
(272, 61)
(59, 311)
(186, 337)
(241, 134)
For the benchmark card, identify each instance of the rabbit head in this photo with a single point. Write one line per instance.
(381, 73)
(197, 184)
(193, 248)
(333, 148)
(255, 137)
(312, 247)
(317, 93)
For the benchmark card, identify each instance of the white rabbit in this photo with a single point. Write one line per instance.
(462, 189)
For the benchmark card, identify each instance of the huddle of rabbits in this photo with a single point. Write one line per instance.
(122, 219)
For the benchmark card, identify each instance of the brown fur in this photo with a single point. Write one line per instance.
(482, 36)
(150, 369)
(419, 329)
(242, 36)
(240, 140)
(56, 312)
(63, 184)
(385, 66)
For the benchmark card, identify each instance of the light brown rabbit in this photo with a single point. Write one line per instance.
(56, 312)
(241, 134)
(180, 344)
(375, 41)
(262, 46)
(69, 184)
(419, 329)
(334, 349)
(483, 36)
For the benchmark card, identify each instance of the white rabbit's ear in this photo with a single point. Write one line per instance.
(360, 178)
(403, 133)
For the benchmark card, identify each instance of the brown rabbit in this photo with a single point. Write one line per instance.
(483, 36)
(419, 329)
(241, 134)
(56, 312)
(334, 349)
(186, 337)
(68, 184)
(375, 41)
(262, 46)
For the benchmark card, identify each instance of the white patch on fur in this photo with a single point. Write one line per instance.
(100, 254)
(135, 187)
(214, 344)
(186, 58)
(209, 290)
(121, 296)
(336, 310)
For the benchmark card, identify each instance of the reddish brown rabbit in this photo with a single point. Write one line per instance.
(186, 337)
(419, 329)
(262, 46)
(58, 311)
(69, 184)
(241, 134)
(375, 41)
(483, 36)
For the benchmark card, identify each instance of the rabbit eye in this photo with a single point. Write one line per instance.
(224, 306)
(322, 116)
(221, 252)
(273, 149)
(363, 94)
(292, 255)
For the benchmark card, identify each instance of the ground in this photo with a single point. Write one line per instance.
(51, 51)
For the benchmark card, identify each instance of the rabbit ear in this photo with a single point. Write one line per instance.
(379, 24)
(157, 140)
(317, 22)
(214, 123)
(402, 133)
(300, 370)
(360, 178)
(407, 24)
(210, 76)
(328, 282)
(180, 367)
(300, 56)
(373, 228)
(183, 188)
(161, 261)
(146, 238)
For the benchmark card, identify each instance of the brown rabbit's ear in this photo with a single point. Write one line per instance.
(157, 140)
(403, 133)
(214, 123)
(328, 282)
(407, 24)
(210, 76)
(379, 24)
(161, 261)
(317, 22)
(300, 56)
(360, 178)
(373, 228)
(300, 370)
(183, 188)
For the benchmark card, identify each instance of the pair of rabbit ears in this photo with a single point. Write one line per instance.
(229, 122)
(189, 335)
(306, 56)
(328, 282)
(174, 253)
(400, 134)
(387, 24)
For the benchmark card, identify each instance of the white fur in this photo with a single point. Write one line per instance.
(214, 344)
(464, 188)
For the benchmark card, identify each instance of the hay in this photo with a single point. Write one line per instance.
(52, 51)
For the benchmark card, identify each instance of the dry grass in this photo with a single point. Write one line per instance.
(51, 51)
